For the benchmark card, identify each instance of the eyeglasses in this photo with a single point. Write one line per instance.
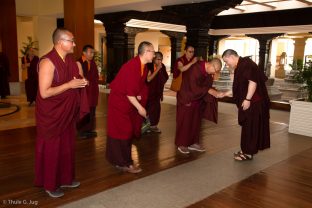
(150, 51)
(72, 41)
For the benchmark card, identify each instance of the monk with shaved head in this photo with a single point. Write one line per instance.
(58, 106)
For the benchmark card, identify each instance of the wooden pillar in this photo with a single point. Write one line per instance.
(79, 19)
(264, 47)
(8, 36)
(176, 44)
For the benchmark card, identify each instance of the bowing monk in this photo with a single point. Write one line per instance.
(196, 100)
(30, 63)
(89, 69)
(57, 109)
(156, 78)
(252, 100)
(126, 109)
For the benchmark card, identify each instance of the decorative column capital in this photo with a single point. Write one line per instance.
(132, 31)
(172, 34)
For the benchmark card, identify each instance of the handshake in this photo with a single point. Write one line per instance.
(224, 94)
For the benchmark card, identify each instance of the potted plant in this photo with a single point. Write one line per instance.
(28, 45)
(300, 121)
(98, 58)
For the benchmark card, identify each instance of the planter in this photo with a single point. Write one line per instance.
(300, 121)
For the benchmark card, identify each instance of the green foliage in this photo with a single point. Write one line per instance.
(304, 76)
(30, 44)
(98, 59)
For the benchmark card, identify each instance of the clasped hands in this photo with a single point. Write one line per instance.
(78, 83)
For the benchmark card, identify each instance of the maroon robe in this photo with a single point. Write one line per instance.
(123, 121)
(184, 61)
(193, 104)
(92, 75)
(4, 75)
(56, 118)
(155, 93)
(31, 83)
(255, 133)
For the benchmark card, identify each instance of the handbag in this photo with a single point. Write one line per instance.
(176, 83)
(145, 125)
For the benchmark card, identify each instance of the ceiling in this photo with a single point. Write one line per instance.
(55, 7)
(247, 6)
(251, 6)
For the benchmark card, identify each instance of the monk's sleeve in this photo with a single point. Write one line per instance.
(251, 71)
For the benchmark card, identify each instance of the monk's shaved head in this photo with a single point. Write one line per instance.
(143, 47)
(217, 63)
(58, 34)
(229, 52)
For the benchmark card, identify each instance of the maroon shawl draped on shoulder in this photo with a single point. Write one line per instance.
(195, 85)
(54, 114)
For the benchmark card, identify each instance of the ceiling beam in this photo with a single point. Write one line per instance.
(305, 2)
(262, 4)
(241, 10)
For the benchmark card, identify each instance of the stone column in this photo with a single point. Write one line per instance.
(299, 48)
(176, 44)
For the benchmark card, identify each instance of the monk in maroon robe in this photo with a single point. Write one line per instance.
(58, 107)
(184, 62)
(31, 83)
(86, 125)
(4, 75)
(196, 100)
(156, 78)
(126, 108)
(252, 100)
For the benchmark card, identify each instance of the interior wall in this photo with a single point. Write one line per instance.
(25, 28)
(43, 30)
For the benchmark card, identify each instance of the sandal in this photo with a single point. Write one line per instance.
(240, 156)
(238, 153)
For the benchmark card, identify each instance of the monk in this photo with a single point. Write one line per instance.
(196, 100)
(89, 70)
(252, 100)
(4, 76)
(156, 78)
(184, 62)
(126, 109)
(31, 83)
(57, 110)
